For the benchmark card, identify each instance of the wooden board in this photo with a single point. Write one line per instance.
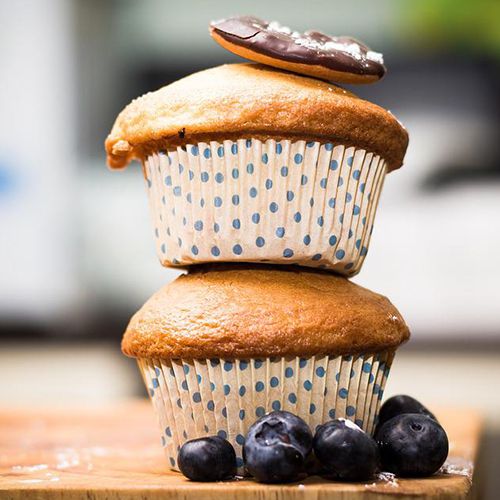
(113, 453)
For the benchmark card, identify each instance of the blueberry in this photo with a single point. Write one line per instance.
(412, 445)
(346, 452)
(276, 447)
(397, 405)
(207, 459)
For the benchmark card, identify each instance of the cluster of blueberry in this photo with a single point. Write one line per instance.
(280, 448)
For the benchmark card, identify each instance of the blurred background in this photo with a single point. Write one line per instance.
(76, 250)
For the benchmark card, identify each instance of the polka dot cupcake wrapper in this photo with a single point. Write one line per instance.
(195, 398)
(283, 202)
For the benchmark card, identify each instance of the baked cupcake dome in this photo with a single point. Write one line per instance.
(252, 100)
(244, 312)
(245, 163)
(219, 348)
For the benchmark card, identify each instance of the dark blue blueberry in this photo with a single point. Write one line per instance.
(276, 447)
(345, 451)
(207, 459)
(398, 405)
(412, 445)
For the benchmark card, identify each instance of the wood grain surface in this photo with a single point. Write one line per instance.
(114, 453)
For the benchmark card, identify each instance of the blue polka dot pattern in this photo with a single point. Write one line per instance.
(278, 383)
(203, 193)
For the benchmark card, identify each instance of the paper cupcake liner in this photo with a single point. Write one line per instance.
(195, 398)
(286, 202)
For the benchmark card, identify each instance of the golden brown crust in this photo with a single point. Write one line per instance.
(249, 100)
(304, 69)
(240, 312)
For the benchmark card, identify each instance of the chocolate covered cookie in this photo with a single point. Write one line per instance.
(340, 59)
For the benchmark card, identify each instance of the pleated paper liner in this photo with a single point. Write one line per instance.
(198, 398)
(286, 202)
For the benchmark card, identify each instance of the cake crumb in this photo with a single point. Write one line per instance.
(386, 478)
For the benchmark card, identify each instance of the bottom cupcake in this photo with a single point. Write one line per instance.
(222, 346)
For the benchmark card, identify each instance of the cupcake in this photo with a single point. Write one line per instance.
(248, 163)
(221, 346)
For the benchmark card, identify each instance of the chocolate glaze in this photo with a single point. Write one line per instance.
(342, 53)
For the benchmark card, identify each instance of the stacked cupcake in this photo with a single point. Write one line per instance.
(263, 184)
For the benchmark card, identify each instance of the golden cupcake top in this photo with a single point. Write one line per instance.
(236, 312)
(252, 101)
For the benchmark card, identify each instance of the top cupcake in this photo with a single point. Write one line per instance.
(247, 162)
